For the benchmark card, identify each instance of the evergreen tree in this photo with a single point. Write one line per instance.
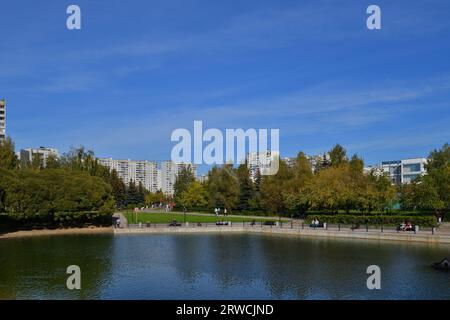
(338, 155)
(119, 189)
(246, 187)
(223, 187)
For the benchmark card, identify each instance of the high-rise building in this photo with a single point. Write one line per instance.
(265, 162)
(139, 171)
(314, 160)
(2, 120)
(26, 155)
(169, 173)
(400, 171)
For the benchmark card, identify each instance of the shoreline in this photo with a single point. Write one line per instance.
(330, 234)
(56, 232)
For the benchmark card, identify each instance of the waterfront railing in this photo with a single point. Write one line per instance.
(294, 224)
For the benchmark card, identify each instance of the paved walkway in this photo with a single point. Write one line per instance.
(123, 220)
(423, 236)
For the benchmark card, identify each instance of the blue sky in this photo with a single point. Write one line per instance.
(139, 69)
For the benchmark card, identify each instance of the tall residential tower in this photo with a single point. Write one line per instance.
(2, 120)
(139, 171)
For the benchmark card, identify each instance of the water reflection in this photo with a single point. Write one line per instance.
(36, 267)
(212, 266)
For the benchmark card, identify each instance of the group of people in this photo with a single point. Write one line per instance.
(217, 211)
(315, 223)
(406, 226)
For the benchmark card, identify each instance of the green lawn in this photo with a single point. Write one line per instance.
(169, 217)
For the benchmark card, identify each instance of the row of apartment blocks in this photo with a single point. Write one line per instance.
(26, 155)
(139, 171)
(148, 173)
(400, 171)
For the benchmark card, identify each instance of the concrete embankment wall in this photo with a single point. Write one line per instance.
(371, 235)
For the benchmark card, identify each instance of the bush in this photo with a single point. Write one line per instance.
(373, 220)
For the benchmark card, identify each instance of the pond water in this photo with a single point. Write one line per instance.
(212, 266)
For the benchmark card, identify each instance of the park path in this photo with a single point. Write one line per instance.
(123, 220)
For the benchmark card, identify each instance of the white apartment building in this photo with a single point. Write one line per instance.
(314, 160)
(139, 171)
(26, 155)
(265, 162)
(169, 172)
(2, 120)
(202, 178)
(401, 171)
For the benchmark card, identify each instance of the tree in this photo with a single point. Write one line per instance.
(272, 189)
(56, 194)
(246, 187)
(155, 198)
(52, 162)
(119, 189)
(296, 193)
(223, 187)
(329, 190)
(431, 191)
(194, 196)
(255, 200)
(338, 155)
(439, 159)
(37, 162)
(8, 158)
(132, 194)
(183, 180)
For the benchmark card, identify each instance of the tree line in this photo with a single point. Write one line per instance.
(337, 183)
(72, 189)
(76, 187)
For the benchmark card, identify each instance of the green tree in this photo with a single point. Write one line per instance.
(246, 187)
(183, 180)
(119, 189)
(194, 196)
(37, 162)
(338, 155)
(223, 187)
(272, 189)
(8, 158)
(52, 162)
(431, 191)
(296, 193)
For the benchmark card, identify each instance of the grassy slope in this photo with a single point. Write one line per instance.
(169, 217)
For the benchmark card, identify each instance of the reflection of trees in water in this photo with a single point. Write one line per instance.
(36, 267)
(237, 266)
(310, 268)
(226, 259)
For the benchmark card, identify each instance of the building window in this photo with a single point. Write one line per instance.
(413, 167)
(407, 178)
